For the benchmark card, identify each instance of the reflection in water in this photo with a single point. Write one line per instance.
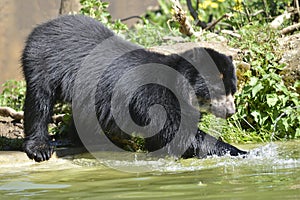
(21, 186)
(270, 171)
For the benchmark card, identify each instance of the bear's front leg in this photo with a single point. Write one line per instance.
(207, 145)
(37, 113)
(37, 148)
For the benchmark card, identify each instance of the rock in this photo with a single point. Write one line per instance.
(290, 45)
(279, 20)
(242, 67)
(182, 47)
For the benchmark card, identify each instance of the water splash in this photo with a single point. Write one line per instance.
(268, 157)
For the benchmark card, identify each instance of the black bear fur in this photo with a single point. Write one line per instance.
(52, 56)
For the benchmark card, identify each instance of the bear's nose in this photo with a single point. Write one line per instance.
(230, 106)
(229, 114)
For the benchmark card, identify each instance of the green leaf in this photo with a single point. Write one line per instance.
(164, 6)
(297, 84)
(253, 81)
(256, 116)
(285, 124)
(283, 99)
(282, 88)
(271, 99)
(280, 66)
(270, 56)
(297, 134)
(256, 89)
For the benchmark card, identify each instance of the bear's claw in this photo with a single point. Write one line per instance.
(39, 150)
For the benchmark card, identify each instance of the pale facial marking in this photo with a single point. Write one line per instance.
(223, 107)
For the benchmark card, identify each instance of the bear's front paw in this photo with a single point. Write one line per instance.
(39, 150)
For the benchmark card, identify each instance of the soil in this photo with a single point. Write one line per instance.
(11, 134)
(10, 128)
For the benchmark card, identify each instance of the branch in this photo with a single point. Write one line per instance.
(297, 6)
(195, 14)
(246, 11)
(9, 112)
(131, 17)
(180, 16)
(191, 9)
(18, 115)
(257, 13)
(231, 33)
(290, 29)
(217, 21)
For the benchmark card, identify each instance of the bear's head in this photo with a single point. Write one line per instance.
(213, 77)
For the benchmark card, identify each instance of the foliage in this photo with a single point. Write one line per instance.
(161, 16)
(256, 11)
(98, 9)
(62, 127)
(149, 35)
(7, 144)
(231, 132)
(241, 12)
(267, 107)
(213, 9)
(266, 103)
(13, 94)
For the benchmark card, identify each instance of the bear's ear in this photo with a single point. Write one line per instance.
(230, 57)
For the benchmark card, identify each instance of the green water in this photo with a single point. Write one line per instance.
(271, 171)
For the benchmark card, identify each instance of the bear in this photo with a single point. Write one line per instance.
(64, 58)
